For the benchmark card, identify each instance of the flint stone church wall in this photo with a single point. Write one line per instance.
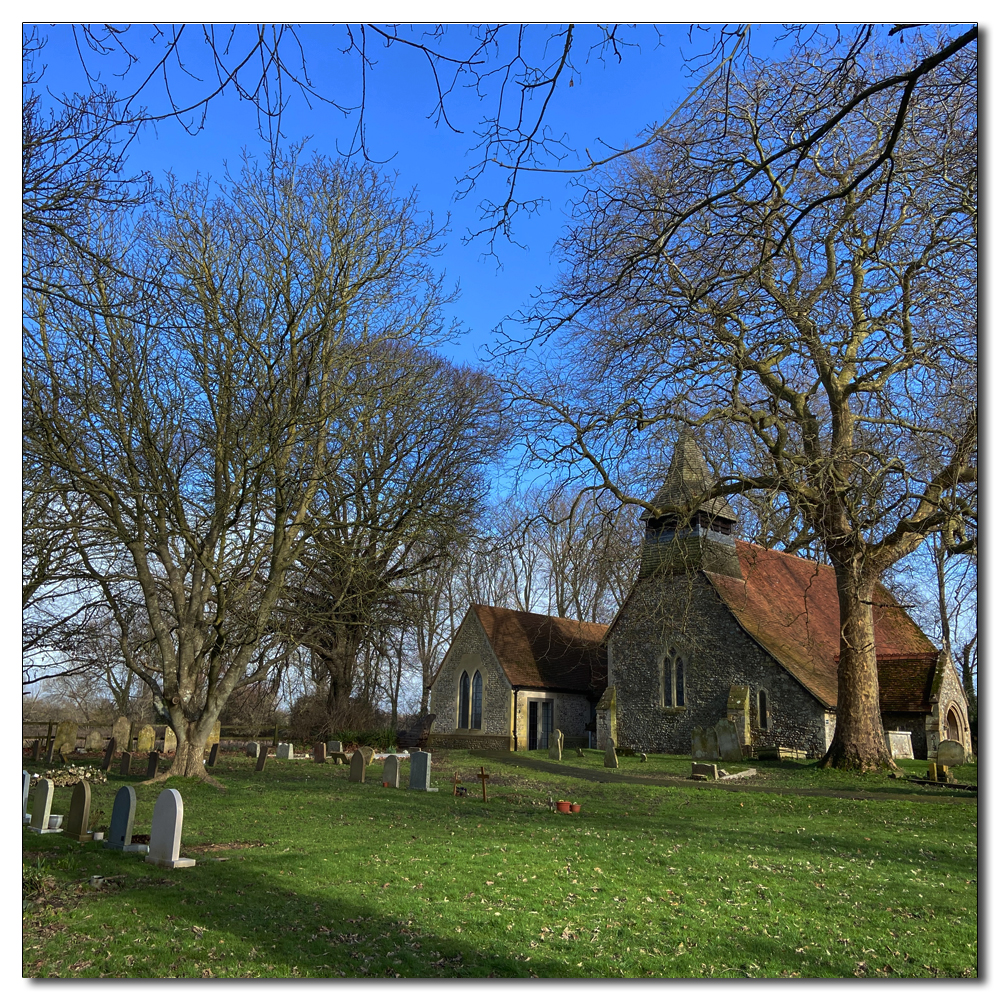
(684, 612)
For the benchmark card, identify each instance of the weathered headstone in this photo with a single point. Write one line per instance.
(36, 749)
(165, 834)
(169, 740)
(319, 753)
(390, 771)
(41, 806)
(707, 771)
(109, 754)
(78, 824)
(126, 763)
(730, 746)
(420, 771)
(25, 788)
(261, 757)
(122, 817)
(65, 741)
(555, 745)
(253, 748)
(738, 713)
(950, 753)
(50, 749)
(358, 767)
(368, 753)
(121, 731)
(704, 743)
(94, 740)
(900, 744)
(285, 751)
(146, 740)
(152, 764)
(610, 757)
(213, 755)
(334, 746)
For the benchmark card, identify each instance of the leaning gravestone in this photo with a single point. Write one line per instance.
(420, 771)
(25, 788)
(122, 818)
(169, 740)
(109, 754)
(319, 753)
(78, 824)
(146, 739)
(390, 771)
(369, 754)
(900, 744)
(261, 757)
(152, 764)
(705, 772)
(165, 834)
(555, 745)
(65, 741)
(36, 749)
(358, 767)
(730, 747)
(126, 764)
(41, 807)
(285, 751)
(950, 753)
(121, 732)
(94, 740)
(610, 757)
(213, 755)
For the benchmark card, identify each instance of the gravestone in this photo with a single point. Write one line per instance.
(704, 743)
(319, 753)
(285, 751)
(950, 753)
(339, 758)
(109, 754)
(555, 745)
(900, 745)
(50, 750)
(169, 740)
(121, 732)
(41, 807)
(369, 754)
(126, 764)
(146, 739)
(65, 741)
(122, 817)
(358, 767)
(390, 771)
(165, 834)
(253, 748)
(706, 771)
(94, 740)
(738, 713)
(213, 755)
(610, 757)
(25, 788)
(730, 746)
(579, 752)
(334, 746)
(152, 764)
(78, 824)
(261, 757)
(36, 749)
(420, 771)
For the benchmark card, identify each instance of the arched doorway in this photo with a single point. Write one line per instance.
(953, 727)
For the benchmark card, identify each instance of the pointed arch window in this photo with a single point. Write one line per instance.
(463, 701)
(762, 716)
(672, 680)
(477, 701)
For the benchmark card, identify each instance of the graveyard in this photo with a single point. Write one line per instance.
(348, 866)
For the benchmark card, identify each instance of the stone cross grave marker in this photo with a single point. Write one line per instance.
(358, 767)
(165, 834)
(950, 753)
(730, 747)
(610, 757)
(78, 824)
(65, 741)
(285, 751)
(126, 763)
(122, 818)
(146, 740)
(390, 771)
(213, 755)
(41, 806)
(121, 732)
(94, 740)
(152, 764)
(319, 753)
(420, 771)
(109, 754)
(169, 740)
(261, 757)
(555, 745)
(25, 788)
(900, 744)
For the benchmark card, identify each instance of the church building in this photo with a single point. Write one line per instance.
(714, 627)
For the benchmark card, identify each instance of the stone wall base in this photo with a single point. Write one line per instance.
(466, 741)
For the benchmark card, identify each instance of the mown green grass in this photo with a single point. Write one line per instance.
(326, 878)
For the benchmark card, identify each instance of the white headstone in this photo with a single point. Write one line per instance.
(25, 787)
(165, 835)
(900, 745)
(42, 806)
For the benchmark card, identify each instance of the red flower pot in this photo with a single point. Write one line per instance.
(575, 807)
(562, 806)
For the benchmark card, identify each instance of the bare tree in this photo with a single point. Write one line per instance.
(198, 426)
(838, 344)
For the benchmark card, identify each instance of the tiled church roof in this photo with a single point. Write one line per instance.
(547, 652)
(790, 607)
(688, 478)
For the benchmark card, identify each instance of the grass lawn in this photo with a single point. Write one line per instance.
(303, 874)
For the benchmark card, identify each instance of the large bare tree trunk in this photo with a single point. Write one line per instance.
(858, 740)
